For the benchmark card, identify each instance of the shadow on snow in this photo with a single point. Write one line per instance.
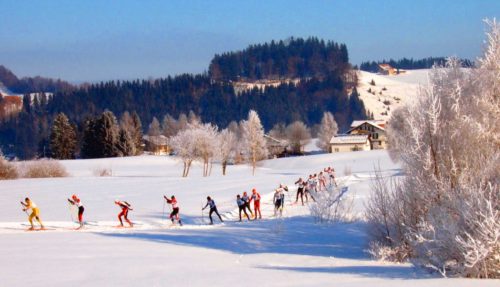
(297, 235)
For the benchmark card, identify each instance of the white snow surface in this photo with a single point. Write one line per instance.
(399, 89)
(292, 251)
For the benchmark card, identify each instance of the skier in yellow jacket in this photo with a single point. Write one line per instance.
(35, 212)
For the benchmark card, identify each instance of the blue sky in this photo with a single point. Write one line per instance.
(101, 40)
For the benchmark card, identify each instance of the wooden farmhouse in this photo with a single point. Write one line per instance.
(157, 145)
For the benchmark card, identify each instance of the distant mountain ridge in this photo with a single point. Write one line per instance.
(293, 80)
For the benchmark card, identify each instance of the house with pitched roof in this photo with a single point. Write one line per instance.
(346, 143)
(374, 129)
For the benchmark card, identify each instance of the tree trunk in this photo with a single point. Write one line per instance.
(254, 160)
(224, 165)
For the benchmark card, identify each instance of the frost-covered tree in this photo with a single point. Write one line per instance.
(253, 139)
(126, 122)
(136, 133)
(184, 147)
(227, 146)
(154, 128)
(446, 207)
(62, 138)
(298, 135)
(205, 144)
(193, 119)
(107, 132)
(126, 146)
(169, 126)
(278, 131)
(182, 122)
(328, 128)
(237, 130)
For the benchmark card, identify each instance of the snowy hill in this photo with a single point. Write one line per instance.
(389, 91)
(293, 251)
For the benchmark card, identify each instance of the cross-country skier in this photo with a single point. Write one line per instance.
(35, 212)
(241, 206)
(279, 200)
(125, 206)
(301, 185)
(246, 199)
(331, 174)
(322, 181)
(213, 208)
(311, 187)
(175, 209)
(256, 203)
(76, 201)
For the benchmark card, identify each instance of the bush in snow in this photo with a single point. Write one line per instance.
(332, 205)
(43, 168)
(444, 213)
(7, 169)
(103, 172)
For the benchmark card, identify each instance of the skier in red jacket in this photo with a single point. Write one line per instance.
(256, 203)
(125, 206)
(175, 209)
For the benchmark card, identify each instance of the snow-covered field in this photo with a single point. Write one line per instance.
(396, 89)
(293, 251)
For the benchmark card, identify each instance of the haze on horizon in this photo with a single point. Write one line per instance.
(103, 40)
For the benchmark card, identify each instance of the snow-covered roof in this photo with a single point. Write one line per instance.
(376, 123)
(385, 66)
(349, 139)
(158, 140)
(275, 140)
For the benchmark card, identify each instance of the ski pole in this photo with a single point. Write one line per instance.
(70, 213)
(25, 211)
(163, 212)
(202, 213)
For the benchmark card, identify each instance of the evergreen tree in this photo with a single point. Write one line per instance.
(137, 133)
(126, 146)
(90, 146)
(62, 138)
(169, 126)
(107, 131)
(154, 128)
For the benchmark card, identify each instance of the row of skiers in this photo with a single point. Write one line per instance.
(242, 201)
(305, 188)
(125, 207)
(314, 183)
